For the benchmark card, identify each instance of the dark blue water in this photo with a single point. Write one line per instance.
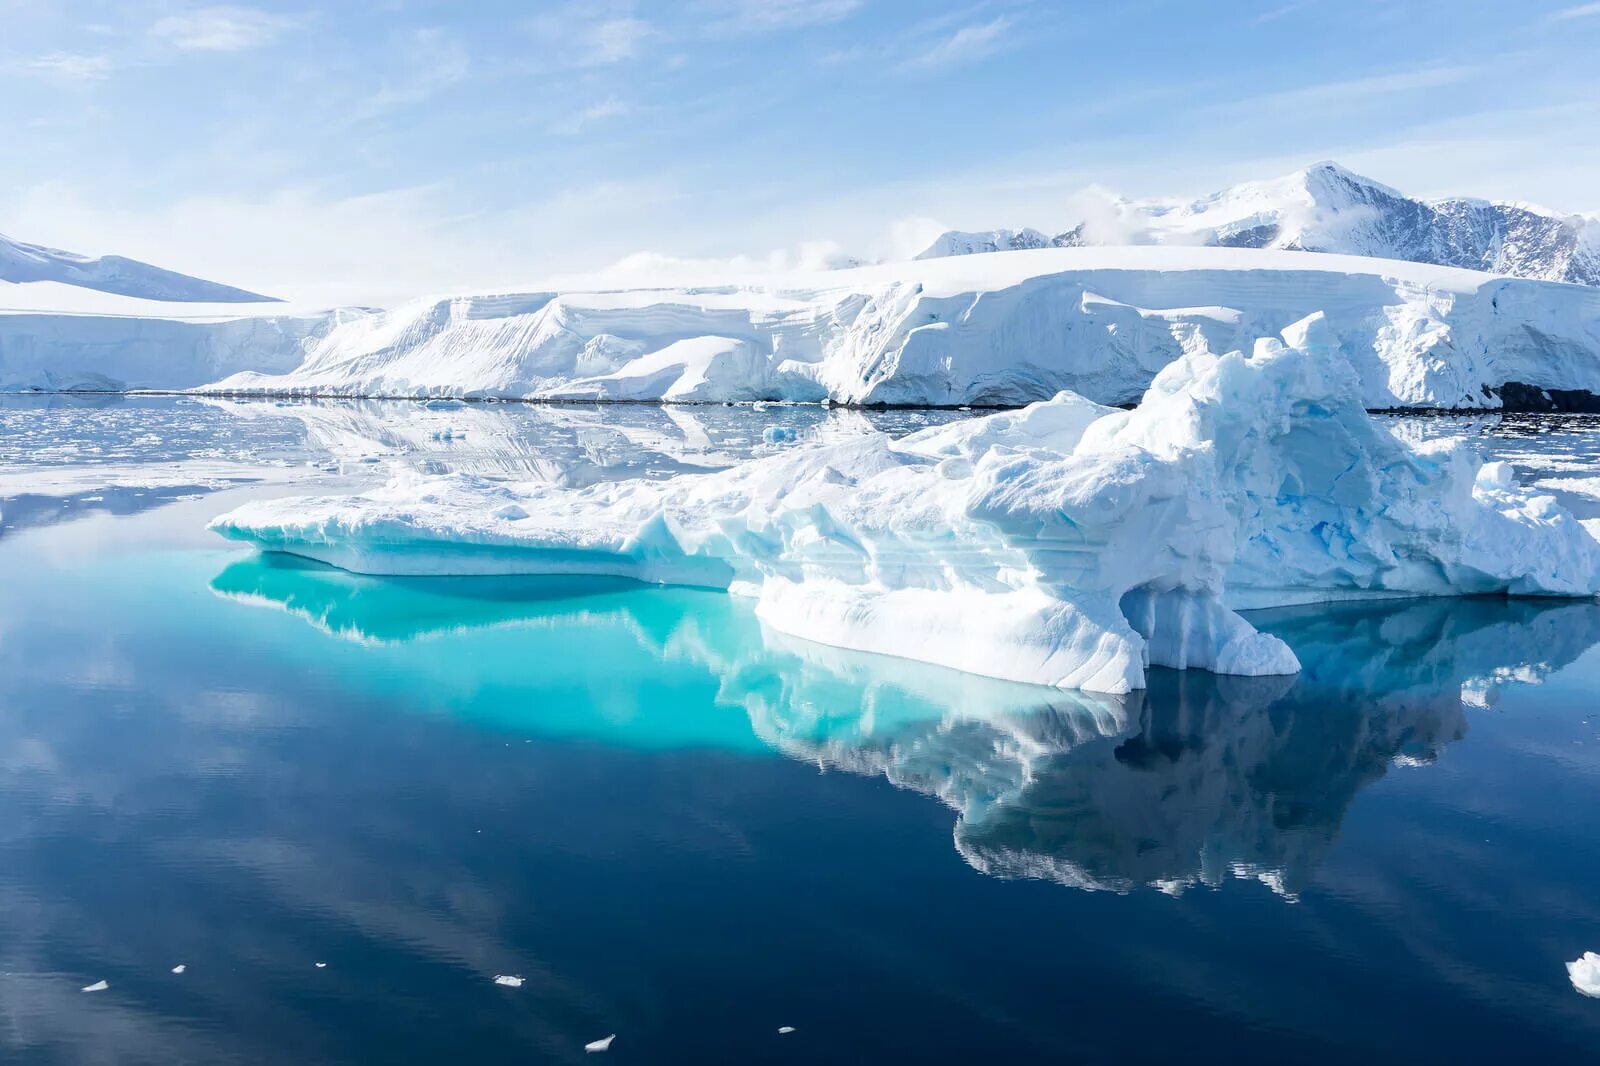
(682, 829)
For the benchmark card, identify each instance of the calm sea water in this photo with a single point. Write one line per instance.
(677, 827)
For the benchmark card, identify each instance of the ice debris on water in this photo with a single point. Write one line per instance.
(180, 968)
(1585, 974)
(603, 1044)
(785, 1030)
(508, 980)
(98, 986)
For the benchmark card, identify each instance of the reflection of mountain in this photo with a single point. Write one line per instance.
(1197, 779)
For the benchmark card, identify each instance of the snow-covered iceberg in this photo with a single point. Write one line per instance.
(1064, 544)
(1006, 328)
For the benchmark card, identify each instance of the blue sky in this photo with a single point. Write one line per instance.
(370, 151)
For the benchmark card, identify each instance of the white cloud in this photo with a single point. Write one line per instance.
(965, 45)
(219, 29)
(1579, 12)
(72, 67)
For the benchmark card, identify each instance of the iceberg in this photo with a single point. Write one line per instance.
(1064, 544)
(1585, 974)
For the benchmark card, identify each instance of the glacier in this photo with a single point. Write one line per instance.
(1000, 329)
(57, 337)
(1066, 544)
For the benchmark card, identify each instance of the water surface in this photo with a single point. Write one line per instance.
(684, 829)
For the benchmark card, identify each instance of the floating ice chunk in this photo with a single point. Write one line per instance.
(180, 968)
(603, 1044)
(1585, 974)
(785, 1030)
(780, 434)
(1064, 544)
(322, 965)
(98, 986)
(508, 981)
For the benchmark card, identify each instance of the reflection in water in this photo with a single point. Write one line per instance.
(1197, 779)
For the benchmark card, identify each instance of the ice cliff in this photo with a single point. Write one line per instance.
(1005, 328)
(1064, 544)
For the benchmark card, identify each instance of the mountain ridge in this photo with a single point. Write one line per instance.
(1326, 207)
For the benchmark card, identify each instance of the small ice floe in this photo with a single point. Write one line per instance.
(600, 1045)
(321, 965)
(1585, 974)
(780, 434)
(179, 968)
(507, 980)
(785, 1030)
(101, 986)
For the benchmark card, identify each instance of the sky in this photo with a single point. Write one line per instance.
(369, 152)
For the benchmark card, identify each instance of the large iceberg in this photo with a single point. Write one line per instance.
(1006, 328)
(1064, 544)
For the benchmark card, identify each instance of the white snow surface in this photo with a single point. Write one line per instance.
(1064, 544)
(1004, 328)
(24, 263)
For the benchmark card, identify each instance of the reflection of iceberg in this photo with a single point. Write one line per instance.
(1194, 780)
(400, 609)
(560, 444)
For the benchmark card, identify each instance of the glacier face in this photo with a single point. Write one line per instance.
(1000, 329)
(1064, 544)
(23, 263)
(120, 352)
(1326, 208)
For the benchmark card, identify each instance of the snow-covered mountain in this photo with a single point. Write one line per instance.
(22, 263)
(1326, 208)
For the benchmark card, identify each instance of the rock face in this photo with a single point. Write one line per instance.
(1326, 208)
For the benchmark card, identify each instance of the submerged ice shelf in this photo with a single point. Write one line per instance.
(1065, 544)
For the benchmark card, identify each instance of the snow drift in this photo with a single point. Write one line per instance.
(1065, 544)
(1002, 329)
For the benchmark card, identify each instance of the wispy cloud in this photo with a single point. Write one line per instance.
(590, 35)
(1578, 12)
(220, 29)
(966, 45)
(1336, 92)
(756, 16)
(431, 61)
(72, 67)
(600, 112)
